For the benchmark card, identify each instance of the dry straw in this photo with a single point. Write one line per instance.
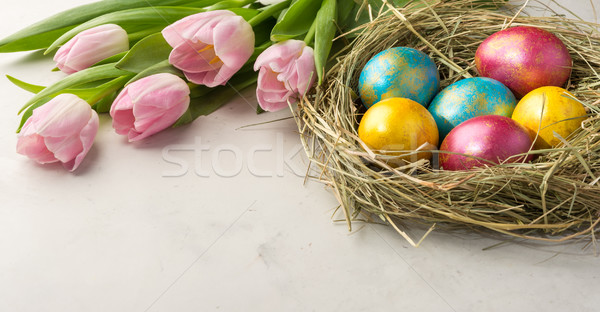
(555, 198)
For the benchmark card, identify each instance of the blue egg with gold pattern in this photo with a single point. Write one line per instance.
(399, 72)
(469, 98)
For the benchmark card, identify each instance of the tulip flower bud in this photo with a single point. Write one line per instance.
(61, 130)
(210, 47)
(149, 105)
(91, 46)
(287, 71)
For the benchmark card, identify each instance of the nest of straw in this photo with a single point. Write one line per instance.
(555, 198)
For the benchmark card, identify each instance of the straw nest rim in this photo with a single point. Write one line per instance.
(556, 198)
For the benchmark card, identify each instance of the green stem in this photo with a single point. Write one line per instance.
(311, 33)
(268, 12)
(198, 90)
(110, 87)
(139, 35)
(228, 4)
(200, 3)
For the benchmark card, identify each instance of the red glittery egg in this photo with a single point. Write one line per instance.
(524, 58)
(490, 137)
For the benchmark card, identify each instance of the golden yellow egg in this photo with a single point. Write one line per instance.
(549, 109)
(397, 126)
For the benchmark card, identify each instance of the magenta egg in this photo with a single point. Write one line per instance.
(524, 58)
(491, 137)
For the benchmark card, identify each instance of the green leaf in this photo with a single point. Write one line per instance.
(88, 75)
(262, 32)
(197, 91)
(111, 59)
(245, 13)
(296, 21)
(91, 84)
(24, 85)
(106, 89)
(228, 4)
(344, 9)
(259, 110)
(139, 35)
(149, 51)
(151, 16)
(219, 96)
(200, 3)
(82, 92)
(103, 106)
(268, 12)
(161, 67)
(41, 34)
(34, 42)
(324, 33)
(91, 94)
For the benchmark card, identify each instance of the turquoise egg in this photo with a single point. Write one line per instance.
(399, 72)
(470, 98)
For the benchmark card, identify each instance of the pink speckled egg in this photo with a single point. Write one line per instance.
(491, 137)
(524, 58)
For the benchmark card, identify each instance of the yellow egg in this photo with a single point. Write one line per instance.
(547, 110)
(398, 124)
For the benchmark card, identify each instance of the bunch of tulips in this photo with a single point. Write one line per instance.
(155, 64)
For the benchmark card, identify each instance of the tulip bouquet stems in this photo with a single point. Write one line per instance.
(155, 64)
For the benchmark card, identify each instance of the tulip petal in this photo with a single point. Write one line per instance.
(305, 66)
(270, 92)
(210, 47)
(286, 73)
(167, 119)
(197, 78)
(86, 136)
(269, 106)
(91, 46)
(121, 112)
(150, 105)
(71, 149)
(268, 81)
(188, 27)
(33, 147)
(95, 47)
(187, 58)
(63, 116)
(62, 130)
(279, 55)
(234, 41)
(157, 95)
(222, 76)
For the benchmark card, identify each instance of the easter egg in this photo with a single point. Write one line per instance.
(524, 58)
(399, 72)
(399, 124)
(492, 138)
(470, 98)
(549, 110)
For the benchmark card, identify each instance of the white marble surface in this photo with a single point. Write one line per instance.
(127, 232)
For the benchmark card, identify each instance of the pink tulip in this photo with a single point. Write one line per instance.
(61, 130)
(210, 47)
(149, 105)
(287, 71)
(91, 46)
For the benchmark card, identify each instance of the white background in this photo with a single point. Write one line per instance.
(123, 234)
